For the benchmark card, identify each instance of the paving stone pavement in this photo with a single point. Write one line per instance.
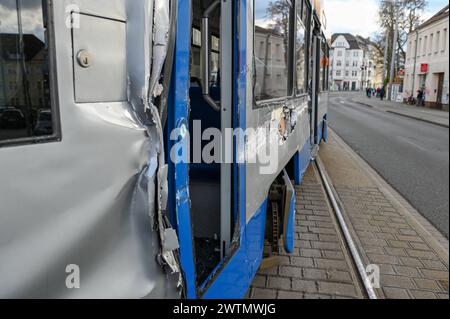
(320, 267)
(411, 253)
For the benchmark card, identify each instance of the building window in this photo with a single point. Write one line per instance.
(339, 53)
(419, 47)
(424, 49)
(430, 46)
(355, 54)
(437, 42)
(338, 73)
(347, 63)
(271, 76)
(338, 63)
(346, 73)
(26, 112)
(444, 41)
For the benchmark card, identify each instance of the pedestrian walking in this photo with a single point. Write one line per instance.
(382, 93)
(419, 97)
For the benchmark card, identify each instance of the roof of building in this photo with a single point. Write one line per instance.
(350, 38)
(443, 13)
(9, 42)
(355, 42)
(262, 30)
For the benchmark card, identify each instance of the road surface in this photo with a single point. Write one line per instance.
(412, 156)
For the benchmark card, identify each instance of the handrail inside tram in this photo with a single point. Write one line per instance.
(206, 56)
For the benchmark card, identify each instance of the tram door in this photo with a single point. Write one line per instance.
(210, 168)
(315, 86)
(319, 87)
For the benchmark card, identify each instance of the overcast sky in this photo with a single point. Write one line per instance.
(360, 16)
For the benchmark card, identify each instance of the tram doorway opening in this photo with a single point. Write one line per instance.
(210, 93)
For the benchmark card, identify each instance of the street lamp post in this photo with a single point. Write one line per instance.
(394, 49)
(363, 75)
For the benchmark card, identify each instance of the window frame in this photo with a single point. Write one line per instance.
(56, 136)
(304, 17)
(290, 50)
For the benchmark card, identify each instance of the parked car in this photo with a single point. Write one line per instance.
(12, 118)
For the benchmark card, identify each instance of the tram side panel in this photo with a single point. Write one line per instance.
(276, 99)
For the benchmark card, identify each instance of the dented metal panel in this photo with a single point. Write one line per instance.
(94, 200)
(264, 173)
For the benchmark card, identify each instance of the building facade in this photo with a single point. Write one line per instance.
(427, 61)
(352, 65)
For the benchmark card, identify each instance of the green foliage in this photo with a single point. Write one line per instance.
(409, 16)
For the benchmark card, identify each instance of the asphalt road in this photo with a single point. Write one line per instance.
(412, 156)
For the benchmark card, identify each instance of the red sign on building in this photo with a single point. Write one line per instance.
(424, 67)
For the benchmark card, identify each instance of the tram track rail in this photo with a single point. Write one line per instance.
(339, 212)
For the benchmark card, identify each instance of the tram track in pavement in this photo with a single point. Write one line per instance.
(359, 268)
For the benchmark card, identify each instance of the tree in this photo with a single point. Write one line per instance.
(278, 11)
(409, 16)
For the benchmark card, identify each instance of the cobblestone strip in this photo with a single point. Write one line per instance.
(320, 267)
(412, 264)
(409, 267)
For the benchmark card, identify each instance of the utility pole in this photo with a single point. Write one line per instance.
(394, 50)
(386, 45)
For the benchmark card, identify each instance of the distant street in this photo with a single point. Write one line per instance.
(412, 156)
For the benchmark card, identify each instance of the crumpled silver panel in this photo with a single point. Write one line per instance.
(88, 200)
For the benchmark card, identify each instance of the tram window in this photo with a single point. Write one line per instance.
(271, 42)
(323, 65)
(300, 50)
(196, 37)
(215, 61)
(305, 13)
(327, 67)
(215, 43)
(25, 108)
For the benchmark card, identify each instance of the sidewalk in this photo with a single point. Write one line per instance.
(420, 113)
(411, 253)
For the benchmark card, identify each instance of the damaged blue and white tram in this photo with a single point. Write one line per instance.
(118, 179)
